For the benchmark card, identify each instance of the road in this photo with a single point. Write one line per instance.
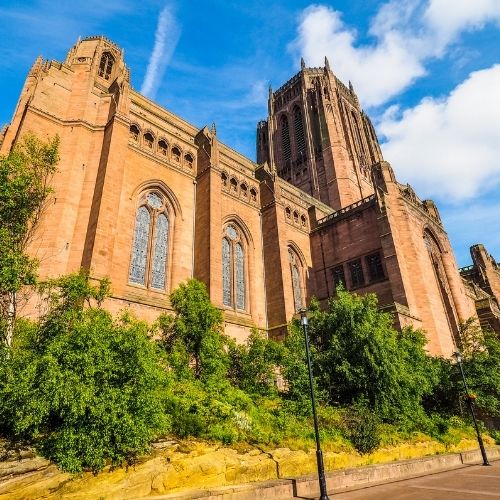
(468, 483)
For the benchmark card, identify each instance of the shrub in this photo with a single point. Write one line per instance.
(86, 389)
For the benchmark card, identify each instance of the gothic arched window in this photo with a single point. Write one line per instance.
(300, 139)
(296, 272)
(233, 268)
(148, 265)
(285, 139)
(106, 65)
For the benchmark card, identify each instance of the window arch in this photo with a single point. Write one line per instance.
(188, 158)
(296, 274)
(148, 263)
(106, 65)
(149, 140)
(163, 147)
(300, 139)
(233, 268)
(176, 154)
(134, 132)
(285, 139)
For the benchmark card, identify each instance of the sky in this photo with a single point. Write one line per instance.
(426, 71)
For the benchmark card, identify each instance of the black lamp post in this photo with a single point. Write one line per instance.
(470, 404)
(319, 453)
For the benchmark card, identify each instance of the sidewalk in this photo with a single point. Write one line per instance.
(470, 482)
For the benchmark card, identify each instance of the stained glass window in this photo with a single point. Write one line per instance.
(140, 247)
(297, 291)
(154, 200)
(296, 279)
(148, 266)
(226, 273)
(160, 253)
(233, 269)
(240, 277)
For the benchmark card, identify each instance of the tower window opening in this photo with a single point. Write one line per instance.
(106, 65)
(299, 134)
(285, 139)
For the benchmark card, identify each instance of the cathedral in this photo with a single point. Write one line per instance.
(149, 200)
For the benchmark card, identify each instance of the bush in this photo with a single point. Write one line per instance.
(362, 428)
(85, 389)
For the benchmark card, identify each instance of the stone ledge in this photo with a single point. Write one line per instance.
(343, 480)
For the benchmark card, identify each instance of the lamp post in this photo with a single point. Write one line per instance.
(470, 403)
(319, 453)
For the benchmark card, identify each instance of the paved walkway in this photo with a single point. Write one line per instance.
(467, 483)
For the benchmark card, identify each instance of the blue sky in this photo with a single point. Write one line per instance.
(426, 71)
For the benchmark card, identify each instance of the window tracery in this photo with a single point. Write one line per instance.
(163, 147)
(106, 65)
(299, 133)
(148, 264)
(233, 268)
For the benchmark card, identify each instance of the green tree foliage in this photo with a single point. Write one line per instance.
(193, 338)
(359, 356)
(255, 364)
(25, 175)
(86, 389)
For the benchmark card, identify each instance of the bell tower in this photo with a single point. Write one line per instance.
(318, 138)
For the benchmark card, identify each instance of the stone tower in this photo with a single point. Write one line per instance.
(317, 137)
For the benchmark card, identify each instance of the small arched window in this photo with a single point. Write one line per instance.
(149, 140)
(233, 268)
(234, 184)
(134, 132)
(224, 179)
(189, 160)
(288, 213)
(296, 275)
(162, 147)
(106, 65)
(295, 217)
(176, 154)
(303, 220)
(244, 190)
(148, 265)
(253, 194)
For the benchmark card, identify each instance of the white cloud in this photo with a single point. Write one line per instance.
(449, 148)
(407, 33)
(166, 38)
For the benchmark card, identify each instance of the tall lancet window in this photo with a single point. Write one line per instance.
(285, 139)
(148, 264)
(300, 139)
(106, 65)
(296, 272)
(233, 268)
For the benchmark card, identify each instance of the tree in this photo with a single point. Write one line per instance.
(193, 337)
(359, 356)
(255, 364)
(25, 175)
(85, 388)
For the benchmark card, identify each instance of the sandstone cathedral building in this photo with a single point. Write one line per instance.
(148, 200)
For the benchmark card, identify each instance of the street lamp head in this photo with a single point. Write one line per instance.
(457, 356)
(303, 316)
